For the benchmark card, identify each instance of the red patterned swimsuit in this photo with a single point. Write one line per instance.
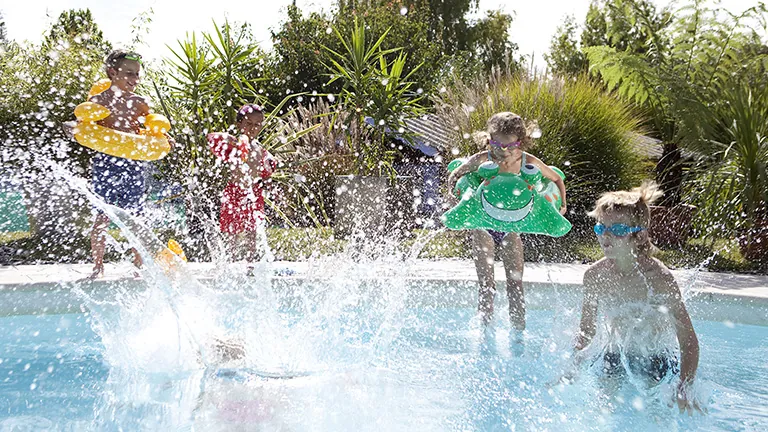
(241, 207)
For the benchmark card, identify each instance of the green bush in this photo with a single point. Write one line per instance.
(40, 85)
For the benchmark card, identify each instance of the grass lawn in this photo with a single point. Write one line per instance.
(300, 244)
(7, 237)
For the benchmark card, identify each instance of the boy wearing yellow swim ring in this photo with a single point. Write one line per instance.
(120, 182)
(507, 137)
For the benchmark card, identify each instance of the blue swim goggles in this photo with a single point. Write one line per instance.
(618, 230)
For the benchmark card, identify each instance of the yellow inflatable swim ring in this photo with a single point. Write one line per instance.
(149, 144)
(168, 258)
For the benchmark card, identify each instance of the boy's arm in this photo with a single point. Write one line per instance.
(587, 327)
(549, 173)
(142, 106)
(101, 99)
(686, 336)
(588, 324)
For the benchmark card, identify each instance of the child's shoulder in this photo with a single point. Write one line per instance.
(479, 155)
(532, 158)
(659, 271)
(103, 98)
(136, 97)
(140, 101)
(108, 96)
(598, 270)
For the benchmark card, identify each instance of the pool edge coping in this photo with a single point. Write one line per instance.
(753, 288)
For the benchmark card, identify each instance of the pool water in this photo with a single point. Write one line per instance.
(436, 372)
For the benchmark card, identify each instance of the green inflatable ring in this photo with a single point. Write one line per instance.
(524, 203)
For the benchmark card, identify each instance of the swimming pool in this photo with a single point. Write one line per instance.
(376, 357)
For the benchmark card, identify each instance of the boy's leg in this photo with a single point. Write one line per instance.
(137, 261)
(512, 256)
(252, 244)
(483, 250)
(98, 244)
(233, 246)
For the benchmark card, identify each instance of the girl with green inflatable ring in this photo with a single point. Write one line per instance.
(507, 137)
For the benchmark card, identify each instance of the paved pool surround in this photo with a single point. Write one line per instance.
(739, 298)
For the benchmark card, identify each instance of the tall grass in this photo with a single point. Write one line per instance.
(585, 131)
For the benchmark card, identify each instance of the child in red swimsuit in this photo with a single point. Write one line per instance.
(242, 203)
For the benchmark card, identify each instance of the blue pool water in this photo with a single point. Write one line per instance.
(435, 372)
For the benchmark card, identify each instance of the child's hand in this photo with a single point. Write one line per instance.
(566, 378)
(563, 209)
(69, 128)
(258, 153)
(171, 141)
(685, 402)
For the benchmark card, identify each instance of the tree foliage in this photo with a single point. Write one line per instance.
(3, 32)
(39, 87)
(435, 33)
(627, 26)
(706, 91)
(565, 56)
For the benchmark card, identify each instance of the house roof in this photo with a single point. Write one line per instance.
(428, 134)
(646, 146)
(431, 131)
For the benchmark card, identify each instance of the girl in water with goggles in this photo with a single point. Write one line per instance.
(640, 304)
(507, 138)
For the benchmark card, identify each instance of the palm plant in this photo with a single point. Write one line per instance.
(703, 94)
(375, 87)
(731, 134)
(206, 81)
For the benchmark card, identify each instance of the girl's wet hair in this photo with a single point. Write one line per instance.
(508, 123)
(248, 109)
(634, 204)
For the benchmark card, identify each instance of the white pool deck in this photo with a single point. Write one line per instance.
(745, 286)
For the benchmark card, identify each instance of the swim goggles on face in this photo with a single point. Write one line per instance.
(618, 230)
(504, 146)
